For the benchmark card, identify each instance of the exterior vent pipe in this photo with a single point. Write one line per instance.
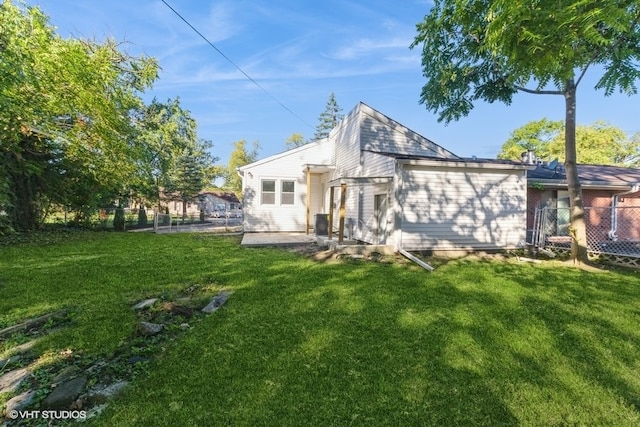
(614, 213)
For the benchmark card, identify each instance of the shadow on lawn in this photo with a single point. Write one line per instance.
(360, 343)
(361, 349)
(593, 319)
(530, 348)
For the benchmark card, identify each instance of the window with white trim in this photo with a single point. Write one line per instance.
(268, 195)
(287, 194)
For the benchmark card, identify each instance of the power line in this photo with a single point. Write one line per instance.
(236, 66)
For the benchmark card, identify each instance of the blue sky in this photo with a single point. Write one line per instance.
(300, 52)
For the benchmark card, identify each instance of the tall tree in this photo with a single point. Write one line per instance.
(65, 130)
(633, 155)
(190, 172)
(294, 141)
(598, 143)
(491, 49)
(240, 156)
(534, 136)
(166, 131)
(328, 119)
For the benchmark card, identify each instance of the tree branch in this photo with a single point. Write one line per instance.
(538, 92)
(601, 49)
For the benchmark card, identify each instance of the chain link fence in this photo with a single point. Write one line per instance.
(610, 231)
(120, 219)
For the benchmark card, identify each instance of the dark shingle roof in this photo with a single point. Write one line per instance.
(614, 175)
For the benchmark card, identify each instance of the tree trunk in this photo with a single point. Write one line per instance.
(577, 228)
(184, 209)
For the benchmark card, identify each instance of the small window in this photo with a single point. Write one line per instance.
(287, 196)
(268, 192)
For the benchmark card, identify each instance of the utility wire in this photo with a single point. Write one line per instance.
(236, 66)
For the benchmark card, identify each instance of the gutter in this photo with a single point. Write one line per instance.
(464, 163)
(614, 213)
(562, 184)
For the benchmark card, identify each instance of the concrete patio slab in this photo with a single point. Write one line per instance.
(277, 239)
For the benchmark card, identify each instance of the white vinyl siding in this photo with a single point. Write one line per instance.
(288, 212)
(379, 133)
(454, 208)
(374, 227)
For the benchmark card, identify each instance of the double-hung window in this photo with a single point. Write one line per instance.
(278, 192)
(287, 195)
(269, 192)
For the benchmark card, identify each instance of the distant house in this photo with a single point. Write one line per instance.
(376, 181)
(213, 203)
(611, 195)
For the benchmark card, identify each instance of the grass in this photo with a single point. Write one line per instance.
(345, 343)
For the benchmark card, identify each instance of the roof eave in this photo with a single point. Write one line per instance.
(468, 164)
(553, 184)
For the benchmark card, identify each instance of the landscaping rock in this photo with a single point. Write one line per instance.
(23, 348)
(66, 374)
(184, 326)
(33, 323)
(65, 394)
(136, 359)
(145, 304)
(102, 394)
(10, 381)
(95, 411)
(147, 328)
(4, 363)
(216, 302)
(21, 401)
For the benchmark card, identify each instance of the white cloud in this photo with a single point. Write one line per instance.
(366, 47)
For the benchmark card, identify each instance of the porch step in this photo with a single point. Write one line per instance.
(352, 247)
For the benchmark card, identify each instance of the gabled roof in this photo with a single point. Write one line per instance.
(302, 148)
(378, 128)
(590, 175)
(224, 195)
(376, 132)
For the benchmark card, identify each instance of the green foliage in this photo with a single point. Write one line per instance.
(328, 119)
(65, 131)
(488, 50)
(118, 220)
(240, 156)
(173, 158)
(599, 143)
(142, 217)
(534, 136)
(295, 140)
(190, 172)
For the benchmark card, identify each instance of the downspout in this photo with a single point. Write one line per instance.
(614, 212)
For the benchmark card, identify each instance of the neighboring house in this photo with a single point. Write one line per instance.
(379, 182)
(213, 203)
(611, 195)
(217, 203)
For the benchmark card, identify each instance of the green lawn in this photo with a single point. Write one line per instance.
(353, 342)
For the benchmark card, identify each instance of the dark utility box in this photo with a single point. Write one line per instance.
(322, 225)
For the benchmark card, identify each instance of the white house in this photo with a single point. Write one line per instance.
(376, 181)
